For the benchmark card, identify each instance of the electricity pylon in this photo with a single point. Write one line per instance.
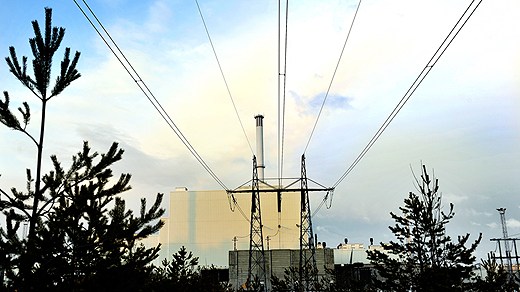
(308, 275)
(256, 270)
(308, 272)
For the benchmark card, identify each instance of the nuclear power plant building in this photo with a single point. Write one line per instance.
(215, 225)
(210, 223)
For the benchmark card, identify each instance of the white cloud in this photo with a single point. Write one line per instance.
(513, 223)
(453, 198)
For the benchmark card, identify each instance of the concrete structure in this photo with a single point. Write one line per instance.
(351, 253)
(277, 261)
(203, 222)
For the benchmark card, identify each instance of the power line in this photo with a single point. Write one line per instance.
(234, 203)
(432, 62)
(332, 79)
(144, 88)
(281, 99)
(223, 76)
(328, 196)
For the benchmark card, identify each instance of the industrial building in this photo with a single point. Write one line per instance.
(217, 226)
(203, 222)
(277, 261)
(210, 223)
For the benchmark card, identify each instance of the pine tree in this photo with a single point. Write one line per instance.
(90, 241)
(183, 274)
(80, 236)
(20, 207)
(424, 257)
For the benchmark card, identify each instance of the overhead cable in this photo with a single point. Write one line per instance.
(144, 88)
(232, 196)
(234, 203)
(433, 60)
(332, 79)
(281, 91)
(224, 77)
(327, 197)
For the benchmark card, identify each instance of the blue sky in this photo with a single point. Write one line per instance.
(463, 121)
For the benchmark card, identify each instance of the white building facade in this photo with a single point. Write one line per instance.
(204, 223)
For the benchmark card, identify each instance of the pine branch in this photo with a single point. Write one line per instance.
(20, 72)
(68, 73)
(11, 121)
(6, 116)
(43, 51)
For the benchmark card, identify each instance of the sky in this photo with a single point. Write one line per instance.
(463, 122)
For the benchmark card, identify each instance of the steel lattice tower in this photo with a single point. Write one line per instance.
(308, 271)
(502, 212)
(256, 269)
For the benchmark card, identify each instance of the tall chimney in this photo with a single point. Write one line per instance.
(260, 146)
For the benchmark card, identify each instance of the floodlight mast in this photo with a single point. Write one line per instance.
(502, 212)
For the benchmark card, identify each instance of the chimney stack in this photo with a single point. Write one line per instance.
(260, 146)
